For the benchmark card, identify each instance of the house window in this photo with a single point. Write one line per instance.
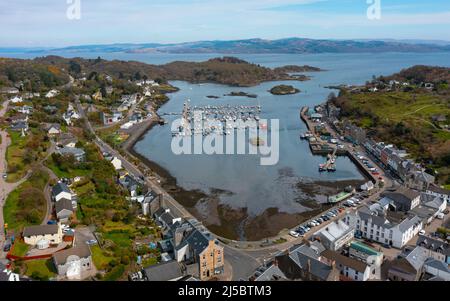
(203, 264)
(219, 259)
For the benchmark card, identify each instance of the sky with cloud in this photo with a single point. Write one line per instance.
(38, 23)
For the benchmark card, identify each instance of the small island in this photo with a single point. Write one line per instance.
(213, 97)
(242, 94)
(284, 90)
(295, 69)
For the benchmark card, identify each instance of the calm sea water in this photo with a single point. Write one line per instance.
(257, 187)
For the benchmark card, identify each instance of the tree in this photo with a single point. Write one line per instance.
(74, 67)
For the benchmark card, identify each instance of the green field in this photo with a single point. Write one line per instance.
(14, 156)
(26, 205)
(101, 260)
(20, 248)
(70, 173)
(42, 269)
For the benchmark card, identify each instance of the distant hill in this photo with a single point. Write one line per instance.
(255, 46)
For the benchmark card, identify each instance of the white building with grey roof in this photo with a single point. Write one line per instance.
(379, 226)
(335, 235)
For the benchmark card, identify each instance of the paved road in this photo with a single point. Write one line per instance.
(48, 192)
(176, 208)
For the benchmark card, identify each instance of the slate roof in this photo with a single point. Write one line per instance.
(63, 204)
(351, 263)
(437, 189)
(167, 218)
(163, 272)
(437, 264)
(271, 273)
(298, 259)
(365, 214)
(433, 244)
(59, 188)
(150, 196)
(402, 195)
(71, 151)
(334, 231)
(197, 241)
(82, 251)
(417, 257)
(40, 230)
(403, 265)
(408, 223)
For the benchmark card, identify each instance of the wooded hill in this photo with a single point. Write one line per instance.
(52, 71)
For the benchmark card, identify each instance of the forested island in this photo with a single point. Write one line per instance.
(53, 71)
(284, 90)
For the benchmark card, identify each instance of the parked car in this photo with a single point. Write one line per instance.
(300, 231)
(294, 234)
(7, 248)
(387, 246)
(422, 232)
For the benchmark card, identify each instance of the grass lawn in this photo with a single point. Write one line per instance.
(43, 266)
(14, 157)
(71, 173)
(115, 273)
(101, 261)
(20, 248)
(111, 226)
(149, 261)
(121, 239)
(11, 208)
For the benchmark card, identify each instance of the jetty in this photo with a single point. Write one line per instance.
(319, 144)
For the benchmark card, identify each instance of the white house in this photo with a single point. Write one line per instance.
(61, 191)
(42, 236)
(16, 99)
(74, 263)
(351, 268)
(335, 235)
(52, 93)
(117, 163)
(53, 129)
(378, 226)
(64, 210)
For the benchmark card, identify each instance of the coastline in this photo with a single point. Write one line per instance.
(235, 223)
